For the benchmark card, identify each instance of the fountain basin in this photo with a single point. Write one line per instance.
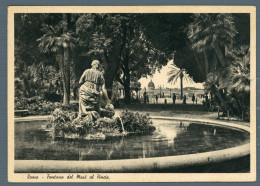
(146, 164)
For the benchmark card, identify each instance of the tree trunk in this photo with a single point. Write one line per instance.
(111, 68)
(240, 104)
(127, 91)
(112, 63)
(219, 53)
(61, 63)
(126, 71)
(213, 67)
(66, 77)
(66, 65)
(127, 86)
(181, 77)
(223, 101)
(109, 79)
(206, 62)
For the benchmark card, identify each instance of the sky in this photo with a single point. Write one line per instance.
(161, 78)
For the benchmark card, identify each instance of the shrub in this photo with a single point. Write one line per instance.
(137, 123)
(37, 106)
(65, 122)
(61, 115)
(61, 122)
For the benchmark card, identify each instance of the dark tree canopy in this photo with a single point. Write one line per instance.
(129, 46)
(169, 33)
(242, 24)
(166, 31)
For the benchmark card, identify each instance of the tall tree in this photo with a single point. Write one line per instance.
(103, 37)
(60, 40)
(140, 58)
(118, 42)
(237, 81)
(177, 73)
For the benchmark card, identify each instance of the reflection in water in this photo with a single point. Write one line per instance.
(215, 131)
(170, 138)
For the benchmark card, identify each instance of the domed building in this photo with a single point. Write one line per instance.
(150, 91)
(151, 85)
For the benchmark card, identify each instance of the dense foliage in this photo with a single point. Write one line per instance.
(68, 43)
(228, 70)
(64, 123)
(53, 50)
(38, 106)
(137, 123)
(211, 48)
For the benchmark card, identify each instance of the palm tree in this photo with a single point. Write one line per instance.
(212, 31)
(239, 70)
(60, 40)
(238, 81)
(214, 85)
(176, 73)
(231, 85)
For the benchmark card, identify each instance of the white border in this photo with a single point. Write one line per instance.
(165, 177)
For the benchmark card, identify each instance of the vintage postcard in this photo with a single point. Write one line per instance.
(131, 94)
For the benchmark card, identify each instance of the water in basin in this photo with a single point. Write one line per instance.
(170, 138)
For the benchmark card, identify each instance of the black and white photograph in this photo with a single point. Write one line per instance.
(131, 94)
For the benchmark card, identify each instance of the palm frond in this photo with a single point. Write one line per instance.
(207, 29)
(173, 78)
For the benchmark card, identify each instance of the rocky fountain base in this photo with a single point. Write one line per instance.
(97, 125)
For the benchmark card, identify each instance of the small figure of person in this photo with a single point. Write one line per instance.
(206, 98)
(156, 98)
(173, 98)
(196, 101)
(145, 97)
(208, 105)
(163, 94)
(212, 103)
(165, 101)
(207, 102)
(181, 125)
(193, 98)
(184, 99)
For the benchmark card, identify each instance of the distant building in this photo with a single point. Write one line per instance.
(151, 85)
(152, 91)
(119, 92)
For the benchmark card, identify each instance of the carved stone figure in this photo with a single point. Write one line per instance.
(92, 88)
